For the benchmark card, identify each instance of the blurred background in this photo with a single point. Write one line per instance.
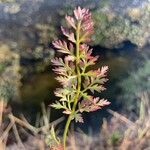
(121, 39)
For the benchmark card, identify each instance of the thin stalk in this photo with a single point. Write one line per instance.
(1, 110)
(78, 84)
(5, 133)
(23, 123)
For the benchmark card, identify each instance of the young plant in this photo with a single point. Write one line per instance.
(78, 82)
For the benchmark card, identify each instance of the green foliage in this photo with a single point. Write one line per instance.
(46, 33)
(8, 1)
(115, 137)
(9, 73)
(6, 90)
(113, 28)
(138, 81)
(51, 139)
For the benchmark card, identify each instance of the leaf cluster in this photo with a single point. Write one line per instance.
(78, 82)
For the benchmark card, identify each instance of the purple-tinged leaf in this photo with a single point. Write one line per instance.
(66, 81)
(69, 35)
(92, 104)
(78, 117)
(84, 16)
(71, 21)
(70, 58)
(67, 111)
(102, 72)
(61, 46)
(80, 13)
(102, 102)
(60, 71)
(57, 61)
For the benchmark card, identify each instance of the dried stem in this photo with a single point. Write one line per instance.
(5, 133)
(1, 111)
(22, 123)
(19, 141)
(131, 124)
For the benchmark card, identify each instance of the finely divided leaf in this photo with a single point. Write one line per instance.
(61, 46)
(78, 117)
(69, 35)
(58, 105)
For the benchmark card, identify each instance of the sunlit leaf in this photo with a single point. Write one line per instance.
(78, 117)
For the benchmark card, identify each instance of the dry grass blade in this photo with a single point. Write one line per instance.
(72, 143)
(19, 141)
(2, 105)
(37, 122)
(122, 118)
(45, 117)
(3, 143)
(5, 133)
(52, 123)
(23, 123)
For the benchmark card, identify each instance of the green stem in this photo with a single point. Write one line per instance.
(66, 131)
(78, 85)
